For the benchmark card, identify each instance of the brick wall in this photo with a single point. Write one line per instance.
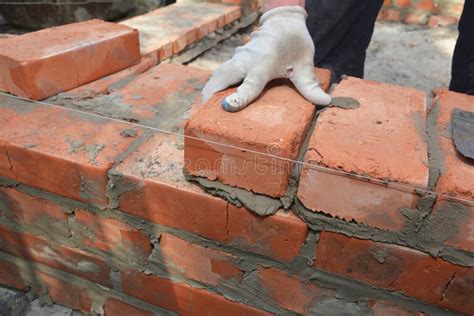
(97, 214)
(423, 12)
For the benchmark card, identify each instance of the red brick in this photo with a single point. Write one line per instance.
(34, 211)
(179, 25)
(10, 275)
(65, 293)
(279, 236)
(63, 152)
(290, 292)
(276, 123)
(111, 235)
(43, 63)
(387, 3)
(61, 257)
(403, 3)
(181, 298)
(114, 307)
(382, 139)
(207, 303)
(391, 15)
(382, 308)
(159, 193)
(197, 262)
(457, 176)
(438, 20)
(396, 268)
(109, 83)
(426, 5)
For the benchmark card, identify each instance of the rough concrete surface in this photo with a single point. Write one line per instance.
(414, 56)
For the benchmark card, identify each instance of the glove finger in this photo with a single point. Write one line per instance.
(248, 91)
(222, 77)
(305, 81)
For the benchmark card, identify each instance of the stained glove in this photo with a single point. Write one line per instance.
(282, 48)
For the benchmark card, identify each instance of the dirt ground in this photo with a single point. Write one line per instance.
(414, 56)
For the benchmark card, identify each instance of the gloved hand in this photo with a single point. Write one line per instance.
(282, 48)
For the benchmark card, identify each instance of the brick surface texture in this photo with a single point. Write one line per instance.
(40, 64)
(390, 122)
(275, 124)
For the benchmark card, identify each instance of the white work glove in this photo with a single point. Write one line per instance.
(282, 48)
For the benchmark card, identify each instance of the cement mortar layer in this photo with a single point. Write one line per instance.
(248, 291)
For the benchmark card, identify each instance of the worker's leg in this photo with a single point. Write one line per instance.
(462, 71)
(341, 31)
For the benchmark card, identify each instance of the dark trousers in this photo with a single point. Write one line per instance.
(462, 70)
(341, 31)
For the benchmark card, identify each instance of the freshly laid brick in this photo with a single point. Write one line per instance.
(290, 292)
(72, 260)
(154, 188)
(60, 151)
(34, 212)
(65, 293)
(397, 268)
(40, 64)
(426, 5)
(114, 307)
(274, 124)
(456, 173)
(382, 139)
(197, 262)
(279, 236)
(110, 83)
(10, 275)
(457, 176)
(111, 235)
(168, 30)
(181, 298)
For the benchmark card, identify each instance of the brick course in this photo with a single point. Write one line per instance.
(63, 152)
(434, 12)
(181, 298)
(72, 260)
(397, 268)
(167, 31)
